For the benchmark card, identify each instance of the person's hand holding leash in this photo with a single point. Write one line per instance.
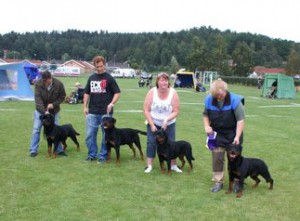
(109, 108)
(165, 124)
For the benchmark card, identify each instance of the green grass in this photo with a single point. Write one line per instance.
(71, 189)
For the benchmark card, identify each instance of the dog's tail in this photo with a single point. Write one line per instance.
(76, 133)
(191, 153)
(141, 132)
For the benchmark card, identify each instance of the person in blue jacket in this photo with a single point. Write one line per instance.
(224, 114)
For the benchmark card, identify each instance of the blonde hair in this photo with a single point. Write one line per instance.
(218, 85)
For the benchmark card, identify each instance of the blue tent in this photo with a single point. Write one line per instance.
(14, 84)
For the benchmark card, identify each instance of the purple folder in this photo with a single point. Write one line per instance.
(211, 141)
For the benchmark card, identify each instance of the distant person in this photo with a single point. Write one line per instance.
(200, 87)
(259, 81)
(48, 95)
(100, 95)
(273, 90)
(76, 96)
(161, 107)
(177, 83)
(149, 81)
(141, 82)
(79, 91)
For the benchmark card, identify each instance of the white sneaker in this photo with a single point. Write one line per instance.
(148, 169)
(176, 169)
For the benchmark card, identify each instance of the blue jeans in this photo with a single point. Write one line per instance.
(35, 137)
(92, 124)
(151, 142)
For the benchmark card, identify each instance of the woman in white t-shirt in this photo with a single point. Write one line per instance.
(161, 107)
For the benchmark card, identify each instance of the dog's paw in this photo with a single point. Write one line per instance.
(228, 192)
(239, 194)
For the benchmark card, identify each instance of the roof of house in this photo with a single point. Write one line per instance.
(82, 64)
(264, 70)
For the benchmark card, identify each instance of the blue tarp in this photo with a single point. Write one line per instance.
(14, 84)
(32, 72)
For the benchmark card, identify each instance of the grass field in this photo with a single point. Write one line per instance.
(68, 188)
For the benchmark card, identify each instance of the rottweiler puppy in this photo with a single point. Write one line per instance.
(56, 134)
(115, 137)
(168, 150)
(239, 168)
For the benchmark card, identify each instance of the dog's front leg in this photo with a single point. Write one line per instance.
(169, 166)
(230, 186)
(118, 154)
(161, 163)
(49, 142)
(49, 150)
(108, 149)
(239, 193)
(54, 153)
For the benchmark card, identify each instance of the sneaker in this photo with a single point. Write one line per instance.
(217, 187)
(33, 154)
(90, 158)
(176, 169)
(148, 169)
(62, 154)
(101, 161)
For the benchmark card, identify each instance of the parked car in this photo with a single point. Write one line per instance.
(123, 73)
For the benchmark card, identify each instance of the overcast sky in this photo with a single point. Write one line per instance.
(273, 18)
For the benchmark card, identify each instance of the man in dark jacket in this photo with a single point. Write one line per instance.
(49, 94)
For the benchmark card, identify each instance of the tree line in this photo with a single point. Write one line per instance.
(204, 48)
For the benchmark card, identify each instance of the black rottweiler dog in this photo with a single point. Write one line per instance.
(115, 137)
(239, 168)
(57, 134)
(168, 150)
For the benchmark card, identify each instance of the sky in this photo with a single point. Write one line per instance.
(273, 18)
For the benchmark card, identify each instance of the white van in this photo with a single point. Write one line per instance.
(67, 71)
(123, 73)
